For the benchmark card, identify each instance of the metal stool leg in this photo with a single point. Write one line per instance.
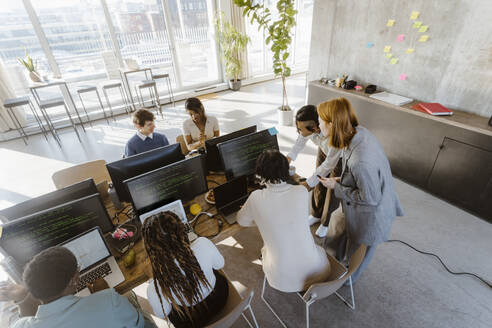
(85, 110)
(126, 101)
(102, 107)
(78, 115)
(38, 120)
(51, 126)
(109, 104)
(17, 125)
(71, 120)
(158, 103)
(268, 305)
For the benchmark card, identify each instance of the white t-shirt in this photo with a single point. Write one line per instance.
(291, 259)
(209, 258)
(190, 128)
(331, 160)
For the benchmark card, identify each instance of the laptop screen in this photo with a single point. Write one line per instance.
(231, 191)
(89, 248)
(176, 207)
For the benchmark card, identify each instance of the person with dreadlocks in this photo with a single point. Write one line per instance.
(186, 289)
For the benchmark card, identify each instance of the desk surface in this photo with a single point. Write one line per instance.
(141, 271)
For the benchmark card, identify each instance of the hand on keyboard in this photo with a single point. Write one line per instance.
(98, 285)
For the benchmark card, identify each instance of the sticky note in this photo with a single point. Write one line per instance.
(369, 45)
(358, 87)
(390, 22)
(273, 131)
(393, 61)
(414, 15)
(410, 50)
(403, 77)
(388, 55)
(387, 49)
(400, 37)
(1, 230)
(417, 24)
(423, 28)
(424, 38)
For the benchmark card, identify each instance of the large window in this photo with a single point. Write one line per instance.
(17, 37)
(196, 49)
(77, 34)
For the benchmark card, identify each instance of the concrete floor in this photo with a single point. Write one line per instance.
(401, 288)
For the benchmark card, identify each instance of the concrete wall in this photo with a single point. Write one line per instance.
(454, 67)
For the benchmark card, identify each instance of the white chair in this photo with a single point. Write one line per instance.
(338, 276)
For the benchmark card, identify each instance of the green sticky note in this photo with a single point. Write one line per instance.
(393, 61)
(389, 55)
(417, 24)
(423, 28)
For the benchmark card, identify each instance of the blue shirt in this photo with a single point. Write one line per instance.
(106, 309)
(138, 144)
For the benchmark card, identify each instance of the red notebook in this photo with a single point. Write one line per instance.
(432, 108)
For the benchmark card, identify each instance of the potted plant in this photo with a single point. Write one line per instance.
(29, 64)
(279, 35)
(232, 43)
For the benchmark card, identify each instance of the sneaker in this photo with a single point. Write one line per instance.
(312, 220)
(322, 231)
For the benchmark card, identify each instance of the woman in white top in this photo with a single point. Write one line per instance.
(328, 160)
(199, 127)
(186, 289)
(291, 259)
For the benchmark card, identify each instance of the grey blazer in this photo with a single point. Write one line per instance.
(367, 191)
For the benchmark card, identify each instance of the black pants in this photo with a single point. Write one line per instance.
(319, 193)
(206, 309)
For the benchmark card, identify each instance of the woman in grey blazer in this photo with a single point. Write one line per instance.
(365, 187)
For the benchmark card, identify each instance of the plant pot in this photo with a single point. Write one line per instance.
(285, 117)
(34, 76)
(235, 86)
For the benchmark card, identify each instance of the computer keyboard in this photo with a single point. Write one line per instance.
(89, 278)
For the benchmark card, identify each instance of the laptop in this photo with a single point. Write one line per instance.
(177, 208)
(230, 196)
(94, 259)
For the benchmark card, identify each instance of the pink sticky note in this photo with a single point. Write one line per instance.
(400, 37)
(403, 77)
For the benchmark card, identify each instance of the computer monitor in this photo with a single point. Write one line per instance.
(239, 155)
(181, 180)
(49, 200)
(214, 162)
(141, 163)
(25, 237)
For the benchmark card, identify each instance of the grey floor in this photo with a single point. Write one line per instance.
(401, 288)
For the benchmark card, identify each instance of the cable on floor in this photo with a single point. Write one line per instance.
(444, 265)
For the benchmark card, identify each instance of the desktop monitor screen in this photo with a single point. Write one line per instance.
(214, 162)
(239, 155)
(49, 200)
(182, 180)
(25, 237)
(141, 163)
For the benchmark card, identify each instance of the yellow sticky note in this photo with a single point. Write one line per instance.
(390, 22)
(393, 61)
(1, 230)
(387, 49)
(389, 55)
(414, 15)
(423, 28)
(410, 50)
(424, 38)
(417, 24)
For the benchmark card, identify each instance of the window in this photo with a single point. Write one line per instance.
(77, 34)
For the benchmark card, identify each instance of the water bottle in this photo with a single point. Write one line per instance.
(114, 197)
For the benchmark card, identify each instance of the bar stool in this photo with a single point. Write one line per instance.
(55, 102)
(11, 103)
(89, 88)
(154, 96)
(170, 94)
(116, 85)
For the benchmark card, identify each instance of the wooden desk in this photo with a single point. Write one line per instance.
(141, 271)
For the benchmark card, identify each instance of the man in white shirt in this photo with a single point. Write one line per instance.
(328, 160)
